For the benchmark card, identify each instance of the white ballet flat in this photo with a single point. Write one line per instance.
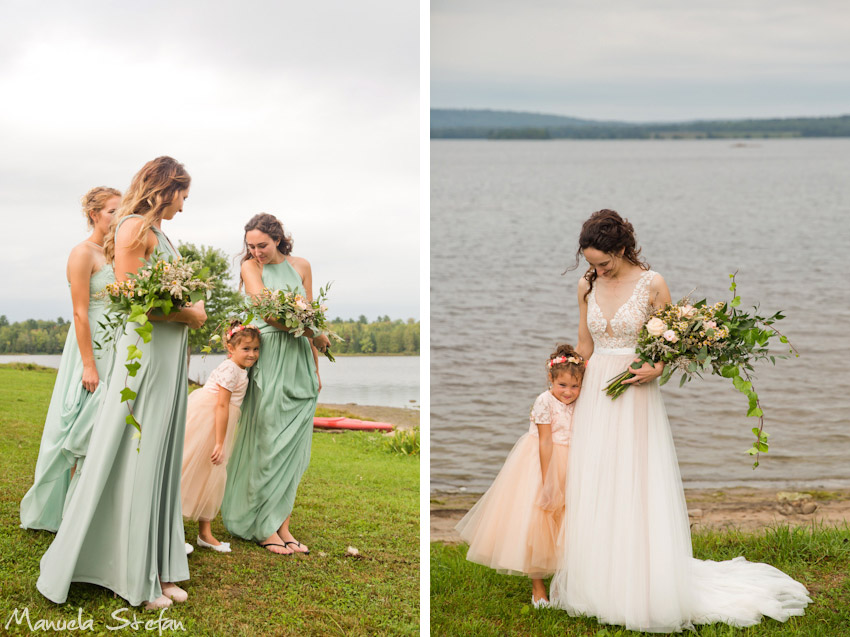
(160, 602)
(173, 592)
(540, 603)
(224, 547)
(189, 548)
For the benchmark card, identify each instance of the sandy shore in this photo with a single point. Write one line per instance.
(401, 418)
(739, 508)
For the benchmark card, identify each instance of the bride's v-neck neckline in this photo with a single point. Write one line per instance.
(631, 296)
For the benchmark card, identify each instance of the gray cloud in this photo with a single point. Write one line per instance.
(707, 59)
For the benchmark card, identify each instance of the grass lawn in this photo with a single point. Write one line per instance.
(469, 599)
(354, 494)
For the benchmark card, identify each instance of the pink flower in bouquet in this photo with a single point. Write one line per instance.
(655, 326)
(687, 311)
(710, 325)
(670, 336)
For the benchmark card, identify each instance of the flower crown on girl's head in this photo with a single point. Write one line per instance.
(233, 330)
(564, 359)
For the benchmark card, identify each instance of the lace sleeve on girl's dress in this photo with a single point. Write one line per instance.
(541, 412)
(226, 375)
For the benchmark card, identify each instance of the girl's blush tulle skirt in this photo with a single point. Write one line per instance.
(517, 526)
(202, 482)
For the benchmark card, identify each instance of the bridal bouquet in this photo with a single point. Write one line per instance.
(697, 338)
(294, 311)
(163, 285)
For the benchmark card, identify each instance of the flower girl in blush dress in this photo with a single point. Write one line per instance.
(211, 417)
(627, 546)
(516, 527)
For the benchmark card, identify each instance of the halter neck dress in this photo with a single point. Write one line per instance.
(70, 416)
(272, 448)
(123, 526)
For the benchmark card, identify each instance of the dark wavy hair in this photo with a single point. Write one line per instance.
(608, 232)
(269, 224)
(567, 351)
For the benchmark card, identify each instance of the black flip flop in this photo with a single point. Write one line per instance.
(273, 544)
(297, 543)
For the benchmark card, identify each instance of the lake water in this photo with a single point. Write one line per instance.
(505, 218)
(388, 381)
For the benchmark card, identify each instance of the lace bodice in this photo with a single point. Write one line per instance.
(548, 410)
(626, 322)
(230, 376)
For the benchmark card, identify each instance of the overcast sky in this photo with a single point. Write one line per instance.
(308, 111)
(646, 60)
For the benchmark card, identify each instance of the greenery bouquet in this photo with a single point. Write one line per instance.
(697, 338)
(164, 285)
(294, 311)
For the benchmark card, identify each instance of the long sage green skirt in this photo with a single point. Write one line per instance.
(123, 525)
(272, 448)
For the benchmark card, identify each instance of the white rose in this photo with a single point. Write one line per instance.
(687, 311)
(655, 326)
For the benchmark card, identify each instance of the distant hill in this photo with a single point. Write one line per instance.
(491, 124)
(486, 118)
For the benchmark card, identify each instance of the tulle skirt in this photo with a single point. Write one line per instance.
(516, 526)
(627, 553)
(202, 482)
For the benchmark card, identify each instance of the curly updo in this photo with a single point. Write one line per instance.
(608, 232)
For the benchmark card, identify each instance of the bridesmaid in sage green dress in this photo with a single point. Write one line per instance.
(123, 526)
(83, 370)
(272, 448)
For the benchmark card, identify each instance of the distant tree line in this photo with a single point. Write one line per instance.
(383, 336)
(32, 336)
(745, 128)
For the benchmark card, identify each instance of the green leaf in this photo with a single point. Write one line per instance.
(138, 314)
(735, 302)
(729, 371)
(752, 450)
(755, 412)
(742, 385)
(133, 352)
(145, 331)
(762, 447)
(783, 339)
(132, 368)
(132, 421)
(127, 394)
(196, 295)
(206, 349)
(166, 305)
(683, 380)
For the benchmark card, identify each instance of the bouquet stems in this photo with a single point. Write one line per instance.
(616, 387)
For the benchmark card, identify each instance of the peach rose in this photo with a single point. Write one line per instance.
(655, 326)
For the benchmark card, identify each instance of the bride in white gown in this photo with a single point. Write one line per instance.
(628, 558)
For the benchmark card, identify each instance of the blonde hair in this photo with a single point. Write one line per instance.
(95, 200)
(152, 190)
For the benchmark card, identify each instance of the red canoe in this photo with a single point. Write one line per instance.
(351, 423)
